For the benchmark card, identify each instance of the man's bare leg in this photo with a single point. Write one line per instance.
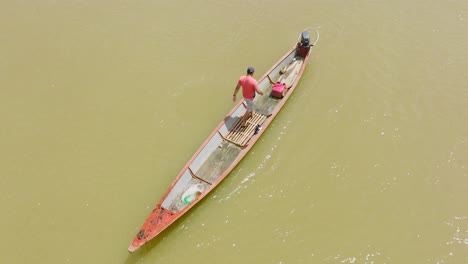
(246, 117)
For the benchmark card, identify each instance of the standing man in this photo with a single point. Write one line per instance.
(249, 87)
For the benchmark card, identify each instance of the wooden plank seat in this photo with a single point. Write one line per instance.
(240, 135)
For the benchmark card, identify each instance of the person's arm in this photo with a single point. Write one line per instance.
(235, 93)
(260, 92)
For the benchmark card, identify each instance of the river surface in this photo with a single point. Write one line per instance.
(103, 102)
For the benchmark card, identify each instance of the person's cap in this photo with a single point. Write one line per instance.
(250, 70)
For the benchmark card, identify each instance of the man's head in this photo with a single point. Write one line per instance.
(250, 70)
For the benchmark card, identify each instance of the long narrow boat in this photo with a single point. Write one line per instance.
(229, 142)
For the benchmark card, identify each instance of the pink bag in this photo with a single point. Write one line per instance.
(278, 90)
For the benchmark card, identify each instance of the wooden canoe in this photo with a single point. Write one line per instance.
(227, 144)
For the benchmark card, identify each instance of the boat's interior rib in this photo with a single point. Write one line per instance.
(196, 177)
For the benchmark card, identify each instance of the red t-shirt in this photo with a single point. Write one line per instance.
(249, 84)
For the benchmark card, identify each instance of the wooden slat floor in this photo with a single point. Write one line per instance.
(240, 135)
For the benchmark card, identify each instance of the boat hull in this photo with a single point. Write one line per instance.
(226, 146)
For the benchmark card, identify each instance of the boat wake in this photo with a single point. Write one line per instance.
(263, 164)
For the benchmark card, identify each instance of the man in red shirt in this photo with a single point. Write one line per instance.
(249, 87)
